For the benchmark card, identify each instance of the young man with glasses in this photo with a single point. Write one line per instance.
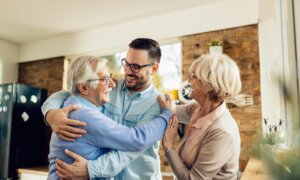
(133, 102)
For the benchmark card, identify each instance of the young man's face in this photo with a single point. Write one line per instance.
(138, 81)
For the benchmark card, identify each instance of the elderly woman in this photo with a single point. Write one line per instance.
(210, 148)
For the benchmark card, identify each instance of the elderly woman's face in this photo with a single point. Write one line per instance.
(199, 88)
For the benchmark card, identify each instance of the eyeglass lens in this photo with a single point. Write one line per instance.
(133, 67)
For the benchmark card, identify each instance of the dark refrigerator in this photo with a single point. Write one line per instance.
(22, 129)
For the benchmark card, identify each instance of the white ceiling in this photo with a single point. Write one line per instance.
(23, 21)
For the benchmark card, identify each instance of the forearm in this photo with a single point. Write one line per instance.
(178, 167)
(55, 101)
(147, 134)
(106, 133)
(111, 163)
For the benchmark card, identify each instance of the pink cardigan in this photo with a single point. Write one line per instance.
(210, 148)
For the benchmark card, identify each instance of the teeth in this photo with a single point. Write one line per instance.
(107, 90)
(131, 78)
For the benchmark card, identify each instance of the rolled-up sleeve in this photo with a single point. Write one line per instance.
(111, 163)
(55, 101)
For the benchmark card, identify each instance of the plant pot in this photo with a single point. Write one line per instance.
(267, 148)
(267, 152)
(214, 50)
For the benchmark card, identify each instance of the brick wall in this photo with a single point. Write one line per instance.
(46, 73)
(241, 44)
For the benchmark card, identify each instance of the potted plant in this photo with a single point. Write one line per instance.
(269, 140)
(268, 143)
(286, 163)
(215, 47)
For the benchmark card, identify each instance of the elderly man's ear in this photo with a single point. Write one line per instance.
(82, 89)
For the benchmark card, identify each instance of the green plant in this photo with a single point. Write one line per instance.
(269, 138)
(270, 132)
(216, 42)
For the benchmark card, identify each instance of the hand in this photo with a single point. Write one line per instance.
(76, 170)
(170, 133)
(169, 103)
(62, 126)
(115, 81)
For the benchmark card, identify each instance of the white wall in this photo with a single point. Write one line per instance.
(297, 34)
(8, 62)
(271, 62)
(289, 35)
(221, 15)
(297, 44)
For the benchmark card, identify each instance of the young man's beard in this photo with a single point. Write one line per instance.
(139, 84)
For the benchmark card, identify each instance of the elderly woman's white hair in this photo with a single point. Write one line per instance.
(220, 72)
(81, 70)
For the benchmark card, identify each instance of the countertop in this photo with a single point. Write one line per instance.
(255, 170)
(43, 170)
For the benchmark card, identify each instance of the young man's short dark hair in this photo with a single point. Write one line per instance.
(149, 45)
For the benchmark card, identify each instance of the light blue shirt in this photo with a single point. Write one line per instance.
(103, 133)
(130, 110)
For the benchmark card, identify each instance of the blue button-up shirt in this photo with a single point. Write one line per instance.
(130, 110)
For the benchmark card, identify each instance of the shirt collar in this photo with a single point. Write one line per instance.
(206, 121)
(86, 102)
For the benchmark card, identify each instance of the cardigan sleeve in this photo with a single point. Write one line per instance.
(185, 112)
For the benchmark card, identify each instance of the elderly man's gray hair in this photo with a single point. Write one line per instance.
(81, 70)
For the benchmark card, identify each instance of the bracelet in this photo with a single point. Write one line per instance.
(169, 149)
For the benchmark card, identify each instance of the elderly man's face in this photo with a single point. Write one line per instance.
(100, 95)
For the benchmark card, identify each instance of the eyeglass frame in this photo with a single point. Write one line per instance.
(105, 79)
(125, 63)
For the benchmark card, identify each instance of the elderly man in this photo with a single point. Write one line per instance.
(89, 84)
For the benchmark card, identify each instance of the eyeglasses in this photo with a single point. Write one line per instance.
(134, 67)
(105, 79)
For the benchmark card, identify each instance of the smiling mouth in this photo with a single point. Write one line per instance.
(108, 90)
(131, 78)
